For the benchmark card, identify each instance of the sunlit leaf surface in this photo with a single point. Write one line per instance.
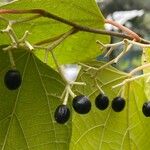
(109, 130)
(78, 47)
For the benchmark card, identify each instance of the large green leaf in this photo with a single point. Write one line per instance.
(108, 130)
(78, 47)
(146, 60)
(26, 114)
(26, 118)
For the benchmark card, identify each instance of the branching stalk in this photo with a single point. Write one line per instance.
(130, 39)
(43, 13)
(66, 98)
(11, 59)
(97, 85)
(130, 79)
(139, 69)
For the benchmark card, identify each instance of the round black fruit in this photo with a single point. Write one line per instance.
(12, 79)
(62, 114)
(101, 102)
(146, 109)
(81, 104)
(118, 104)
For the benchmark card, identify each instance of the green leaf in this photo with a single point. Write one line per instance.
(106, 130)
(78, 47)
(146, 60)
(27, 114)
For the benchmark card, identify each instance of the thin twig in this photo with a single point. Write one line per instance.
(87, 66)
(109, 51)
(127, 47)
(58, 67)
(75, 25)
(130, 79)
(12, 62)
(124, 29)
(139, 69)
(97, 85)
(137, 43)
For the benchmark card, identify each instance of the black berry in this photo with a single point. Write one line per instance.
(101, 102)
(62, 114)
(12, 79)
(81, 104)
(118, 104)
(146, 109)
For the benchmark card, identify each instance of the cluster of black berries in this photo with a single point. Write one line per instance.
(82, 105)
(12, 79)
(102, 102)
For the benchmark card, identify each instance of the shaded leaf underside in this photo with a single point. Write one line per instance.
(26, 115)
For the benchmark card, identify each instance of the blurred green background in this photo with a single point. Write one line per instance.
(135, 14)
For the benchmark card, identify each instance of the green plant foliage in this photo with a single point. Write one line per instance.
(78, 47)
(27, 119)
(108, 129)
(27, 114)
(145, 60)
